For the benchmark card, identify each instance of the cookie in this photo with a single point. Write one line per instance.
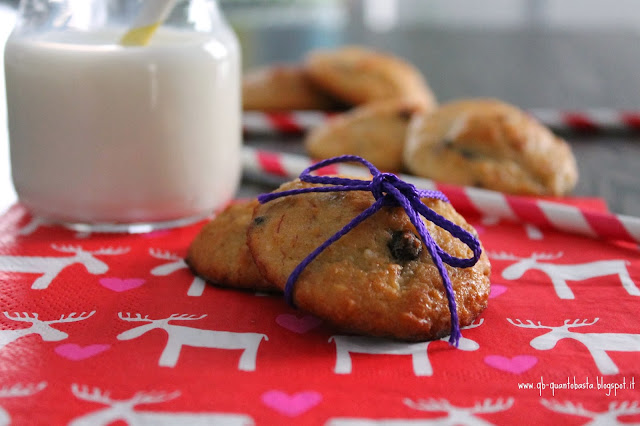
(219, 252)
(377, 279)
(489, 144)
(358, 75)
(373, 131)
(283, 88)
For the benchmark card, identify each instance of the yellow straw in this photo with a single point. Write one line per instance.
(152, 15)
(139, 36)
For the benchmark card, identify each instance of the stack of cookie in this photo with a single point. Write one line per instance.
(375, 92)
(336, 79)
(376, 280)
(393, 120)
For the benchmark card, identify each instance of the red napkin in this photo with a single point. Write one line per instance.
(100, 328)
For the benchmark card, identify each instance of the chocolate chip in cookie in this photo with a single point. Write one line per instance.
(405, 246)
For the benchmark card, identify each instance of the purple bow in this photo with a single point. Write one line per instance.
(388, 190)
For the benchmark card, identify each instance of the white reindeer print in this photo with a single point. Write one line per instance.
(598, 344)
(32, 226)
(598, 418)
(176, 263)
(533, 232)
(180, 336)
(51, 266)
(560, 274)
(346, 345)
(39, 327)
(456, 416)
(17, 390)
(124, 410)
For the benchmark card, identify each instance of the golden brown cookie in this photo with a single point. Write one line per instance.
(219, 253)
(358, 75)
(377, 279)
(374, 131)
(490, 144)
(283, 88)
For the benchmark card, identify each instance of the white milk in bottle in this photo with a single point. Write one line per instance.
(104, 134)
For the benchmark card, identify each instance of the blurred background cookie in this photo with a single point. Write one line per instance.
(281, 88)
(377, 279)
(490, 144)
(374, 131)
(358, 75)
(219, 253)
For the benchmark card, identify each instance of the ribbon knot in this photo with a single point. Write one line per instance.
(388, 191)
(382, 184)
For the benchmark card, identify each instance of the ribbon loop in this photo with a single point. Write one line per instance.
(388, 190)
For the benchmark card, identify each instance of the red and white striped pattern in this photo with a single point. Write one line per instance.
(593, 120)
(539, 212)
(589, 120)
(282, 122)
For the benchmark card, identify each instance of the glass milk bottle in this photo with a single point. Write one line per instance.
(108, 136)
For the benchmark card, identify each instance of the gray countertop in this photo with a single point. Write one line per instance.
(532, 65)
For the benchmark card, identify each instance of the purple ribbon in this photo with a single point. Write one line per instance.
(388, 191)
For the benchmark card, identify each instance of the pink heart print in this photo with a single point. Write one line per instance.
(517, 365)
(291, 405)
(121, 284)
(76, 352)
(496, 290)
(298, 325)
